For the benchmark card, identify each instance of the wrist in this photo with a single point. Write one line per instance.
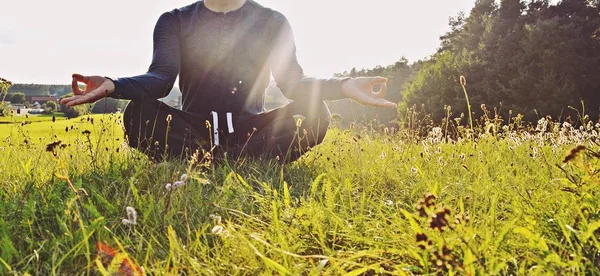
(346, 84)
(111, 86)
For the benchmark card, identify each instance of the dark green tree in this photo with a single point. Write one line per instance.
(51, 106)
(17, 98)
(533, 57)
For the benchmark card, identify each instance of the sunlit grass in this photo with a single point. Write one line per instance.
(349, 206)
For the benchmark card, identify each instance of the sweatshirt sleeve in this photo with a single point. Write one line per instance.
(166, 62)
(289, 75)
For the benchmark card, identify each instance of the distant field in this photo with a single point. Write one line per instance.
(40, 129)
(31, 118)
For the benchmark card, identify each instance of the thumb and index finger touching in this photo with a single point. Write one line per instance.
(378, 99)
(80, 96)
(77, 78)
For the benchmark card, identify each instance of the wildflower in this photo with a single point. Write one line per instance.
(425, 204)
(573, 153)
(131, 216)
(168, 186)
(439, 221)
(184, 177)
(178, 184)
(423, 241)
(542, 125)
(388, 203)
(52, 146)
(216, 219)
(217, 230)
(491, 129)
(298, 118)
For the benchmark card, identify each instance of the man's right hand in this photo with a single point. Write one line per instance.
(97, 87)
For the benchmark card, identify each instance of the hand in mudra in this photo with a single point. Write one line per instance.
(97, 87)
(362, 90)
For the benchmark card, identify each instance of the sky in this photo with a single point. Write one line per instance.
(45, 41)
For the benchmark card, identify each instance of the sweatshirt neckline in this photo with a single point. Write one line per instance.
(229, 13)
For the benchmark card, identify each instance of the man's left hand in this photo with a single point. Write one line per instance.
(361, 89)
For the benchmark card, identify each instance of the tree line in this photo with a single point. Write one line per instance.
(40, 89)
(534, 58)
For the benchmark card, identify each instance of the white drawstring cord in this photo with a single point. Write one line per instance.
(216, 126)
(230, 122)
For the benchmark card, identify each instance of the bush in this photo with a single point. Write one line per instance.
(108, 105)
(51, 106)
(75, 111)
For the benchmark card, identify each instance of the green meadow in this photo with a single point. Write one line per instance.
(512, 201)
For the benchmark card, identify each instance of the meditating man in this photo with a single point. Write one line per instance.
(224, 52)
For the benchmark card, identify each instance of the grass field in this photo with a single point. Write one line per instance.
(362, 203)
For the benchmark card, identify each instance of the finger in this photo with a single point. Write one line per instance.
(67, 100)
(377, 80)
(80, 99)
(382, 91)
(77, 78)
(384, 103)
(89, 97)
(81, 78)
(75, 87)
(376, 102)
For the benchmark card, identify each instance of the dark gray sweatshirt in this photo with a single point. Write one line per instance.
(224, 61)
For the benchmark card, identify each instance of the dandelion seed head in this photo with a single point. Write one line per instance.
(184, 177)
(131, 214)
(216, 219)
(127, 222)
(177, 185)
(217, 230)
(168, 186)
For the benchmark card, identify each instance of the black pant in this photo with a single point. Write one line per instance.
(269, 134)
